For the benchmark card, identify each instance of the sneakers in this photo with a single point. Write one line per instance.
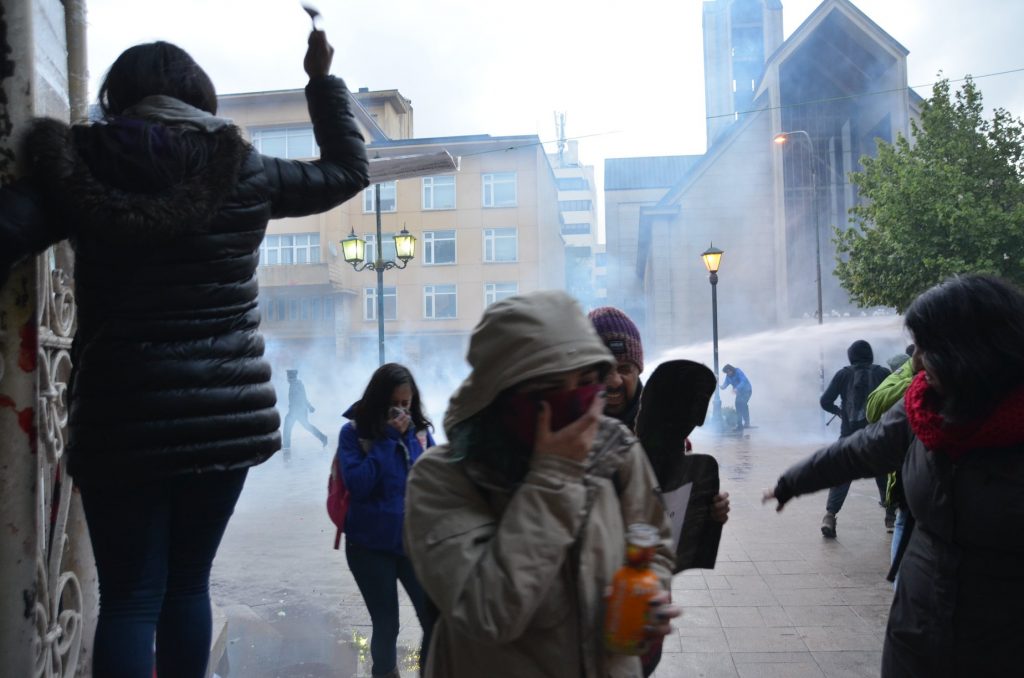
(828, 526)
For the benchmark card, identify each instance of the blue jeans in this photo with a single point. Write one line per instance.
(742, 409)
(154, 545)
(837, 494)
(897, 535)
(377, 574)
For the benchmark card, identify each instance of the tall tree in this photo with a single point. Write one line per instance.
(950, 202)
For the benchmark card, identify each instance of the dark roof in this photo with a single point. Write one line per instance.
(652, 172)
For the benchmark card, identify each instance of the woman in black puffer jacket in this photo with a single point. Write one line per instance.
(958, 436)
(170, 399)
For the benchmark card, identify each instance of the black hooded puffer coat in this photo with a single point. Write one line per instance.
(169, 375)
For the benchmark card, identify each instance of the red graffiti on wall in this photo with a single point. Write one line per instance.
(29, 353)
(26, 419)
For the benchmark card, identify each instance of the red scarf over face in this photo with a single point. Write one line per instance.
(1003, 427)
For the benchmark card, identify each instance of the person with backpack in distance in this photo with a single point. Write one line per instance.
(170, 400)
(517, 526)
(852, 385)
(376, 449)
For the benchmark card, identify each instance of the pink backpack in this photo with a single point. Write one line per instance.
(337, 500)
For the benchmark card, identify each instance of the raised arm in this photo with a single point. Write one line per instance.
(300, 188)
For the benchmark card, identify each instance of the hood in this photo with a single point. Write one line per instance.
(521, 338)
(134, 179)
(860, 352)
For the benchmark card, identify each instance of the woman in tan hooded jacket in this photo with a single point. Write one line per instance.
(517, 526)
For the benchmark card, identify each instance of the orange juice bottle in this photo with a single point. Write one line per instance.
(632, 589)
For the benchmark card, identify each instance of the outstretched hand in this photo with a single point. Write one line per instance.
(768, 495)
(319, 55)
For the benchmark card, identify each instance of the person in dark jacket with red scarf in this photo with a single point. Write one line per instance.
(170, 399)
(958, 436)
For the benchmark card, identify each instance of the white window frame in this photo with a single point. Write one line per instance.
(490, 238)
(430, 189)
(495, 179)
(370, 303)
(430, 240)
(291, 138)
(388, 189)
(430, 294)
(371, 246)
(493, 294)
(307, 243)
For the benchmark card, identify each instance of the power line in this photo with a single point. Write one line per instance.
(861, 94)
(756, 110)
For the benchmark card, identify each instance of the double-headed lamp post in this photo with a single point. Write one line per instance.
(781, 140)
(354, 250)
(712, 257)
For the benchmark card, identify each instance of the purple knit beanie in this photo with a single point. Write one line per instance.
(619, 334)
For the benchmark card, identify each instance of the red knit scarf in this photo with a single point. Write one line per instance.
(1002, 428)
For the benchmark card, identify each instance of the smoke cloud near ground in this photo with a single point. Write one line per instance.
(783, 367)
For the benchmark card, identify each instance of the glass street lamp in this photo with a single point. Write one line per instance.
(712, 257)
(405, 246)
(353, 249)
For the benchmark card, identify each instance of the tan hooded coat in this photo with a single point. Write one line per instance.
(519, 572)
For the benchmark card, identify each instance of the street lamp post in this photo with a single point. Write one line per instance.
(712, 257)
(781, 139)
(354, 250)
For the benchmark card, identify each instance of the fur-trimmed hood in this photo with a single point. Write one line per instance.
(134, 179)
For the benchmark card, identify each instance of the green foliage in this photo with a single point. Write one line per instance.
(950, 203)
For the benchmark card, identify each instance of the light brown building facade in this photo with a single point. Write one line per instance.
(487, 231)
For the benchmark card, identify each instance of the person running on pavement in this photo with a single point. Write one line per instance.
(299, 409)
(517, 525)
(851, 385)
(386, 436)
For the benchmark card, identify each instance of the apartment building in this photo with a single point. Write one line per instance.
(485, 232)
(577, 203)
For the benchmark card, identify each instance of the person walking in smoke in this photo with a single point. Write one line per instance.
(299, 409)
(516, 527)
(623, 389)
(735, 377)
(386, 435)
(852, 385)
(957, 434)
(170, 399)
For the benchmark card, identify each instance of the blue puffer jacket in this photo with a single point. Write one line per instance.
(376, 481)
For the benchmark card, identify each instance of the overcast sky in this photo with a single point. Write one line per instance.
(628, 75)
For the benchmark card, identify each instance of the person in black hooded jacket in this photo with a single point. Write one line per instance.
(958, 438)
(852, 385)
(170, 398)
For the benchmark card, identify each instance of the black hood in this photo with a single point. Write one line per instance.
(860, 352)
(135, 180)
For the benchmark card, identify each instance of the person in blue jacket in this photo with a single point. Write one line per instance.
(741, 385)
(386, 433)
